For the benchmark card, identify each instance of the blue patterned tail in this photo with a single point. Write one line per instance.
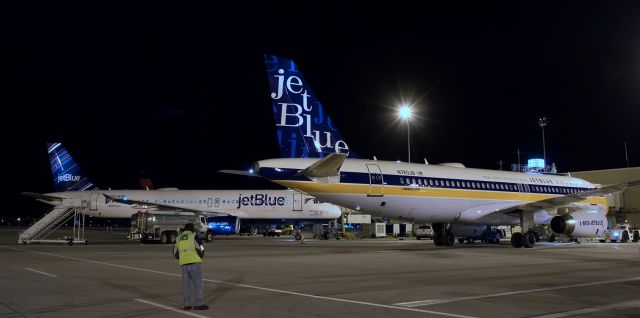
(304, 128)
(67, 175)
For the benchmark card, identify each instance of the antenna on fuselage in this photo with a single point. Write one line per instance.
(374, 158)
(425, 161)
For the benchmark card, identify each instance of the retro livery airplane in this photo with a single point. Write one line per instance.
(75, 190)
(457, 200)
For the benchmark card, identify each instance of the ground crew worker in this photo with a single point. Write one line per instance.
(189, 251)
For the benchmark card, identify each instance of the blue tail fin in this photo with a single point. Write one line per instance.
(304, 128)
(67, 175)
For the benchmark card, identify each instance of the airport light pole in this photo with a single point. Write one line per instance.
(405, 113)
(543, 122)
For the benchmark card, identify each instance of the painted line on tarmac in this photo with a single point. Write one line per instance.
(624, 305)
(184, 312)
(40, 272)
(518, 292)
(253, 287)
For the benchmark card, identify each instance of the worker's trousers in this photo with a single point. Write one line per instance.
(192, 278)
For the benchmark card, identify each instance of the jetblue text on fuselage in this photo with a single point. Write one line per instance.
(68, 177)
(260, 199)
(296, 115)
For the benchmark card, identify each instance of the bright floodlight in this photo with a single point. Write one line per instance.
(404, 112)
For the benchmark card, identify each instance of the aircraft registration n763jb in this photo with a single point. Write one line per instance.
(454, 198)
(75, 190)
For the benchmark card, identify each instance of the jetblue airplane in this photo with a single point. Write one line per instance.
(457, 200)
(75, 190)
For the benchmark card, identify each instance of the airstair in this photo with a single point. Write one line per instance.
(52, 221)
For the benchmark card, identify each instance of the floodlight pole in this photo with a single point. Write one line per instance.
(408, 144)
(543, 122)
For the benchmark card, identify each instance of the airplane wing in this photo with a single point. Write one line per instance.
(563, 201)
(42, 197)
(164, 207)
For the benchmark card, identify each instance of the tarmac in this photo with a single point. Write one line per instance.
(280, 277)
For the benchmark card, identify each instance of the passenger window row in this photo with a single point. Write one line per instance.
(484, 185)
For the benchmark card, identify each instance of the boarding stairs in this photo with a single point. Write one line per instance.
(52, 221)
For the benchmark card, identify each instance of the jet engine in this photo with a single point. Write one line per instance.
(580, 224)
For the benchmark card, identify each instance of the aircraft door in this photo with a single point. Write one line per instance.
(376, 182)
(297, 201)
(94, 202)
(216, 202)
(209, 202)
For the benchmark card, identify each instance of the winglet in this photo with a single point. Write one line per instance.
(328, 166)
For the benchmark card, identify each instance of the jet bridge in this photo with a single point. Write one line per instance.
(52, 221)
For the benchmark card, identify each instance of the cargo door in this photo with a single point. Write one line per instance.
(376, 182)
(297, 201)
(94, 202)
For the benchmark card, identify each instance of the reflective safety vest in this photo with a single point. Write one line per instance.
(187, 247)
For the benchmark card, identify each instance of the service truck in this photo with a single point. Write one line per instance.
(165, 226)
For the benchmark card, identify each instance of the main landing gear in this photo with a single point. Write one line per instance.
(442, 236)
(527, 239)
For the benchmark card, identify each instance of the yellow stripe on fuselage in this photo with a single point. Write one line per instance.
(389, 190)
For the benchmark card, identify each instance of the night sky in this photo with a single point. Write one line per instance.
(177, 93)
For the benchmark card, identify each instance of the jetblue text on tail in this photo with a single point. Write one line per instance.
(67, 175)
(304, 129)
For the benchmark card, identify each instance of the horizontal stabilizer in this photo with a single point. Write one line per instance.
(239, 172)
(42, 197)
(328, 166)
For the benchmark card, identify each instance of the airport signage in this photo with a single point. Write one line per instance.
(260, 199)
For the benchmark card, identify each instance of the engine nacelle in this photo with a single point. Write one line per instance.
(580, 224)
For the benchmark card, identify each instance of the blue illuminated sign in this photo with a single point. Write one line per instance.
(535, 163)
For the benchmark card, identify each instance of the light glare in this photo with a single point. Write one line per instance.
(405, 112)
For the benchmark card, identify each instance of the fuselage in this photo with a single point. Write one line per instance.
(428, 193)
(245, 204)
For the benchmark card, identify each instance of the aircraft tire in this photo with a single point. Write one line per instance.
(528, 240)
(602, 241)
(460, 240)
(448, 239)
(437, 239)
(625, 237)
(516, 240)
